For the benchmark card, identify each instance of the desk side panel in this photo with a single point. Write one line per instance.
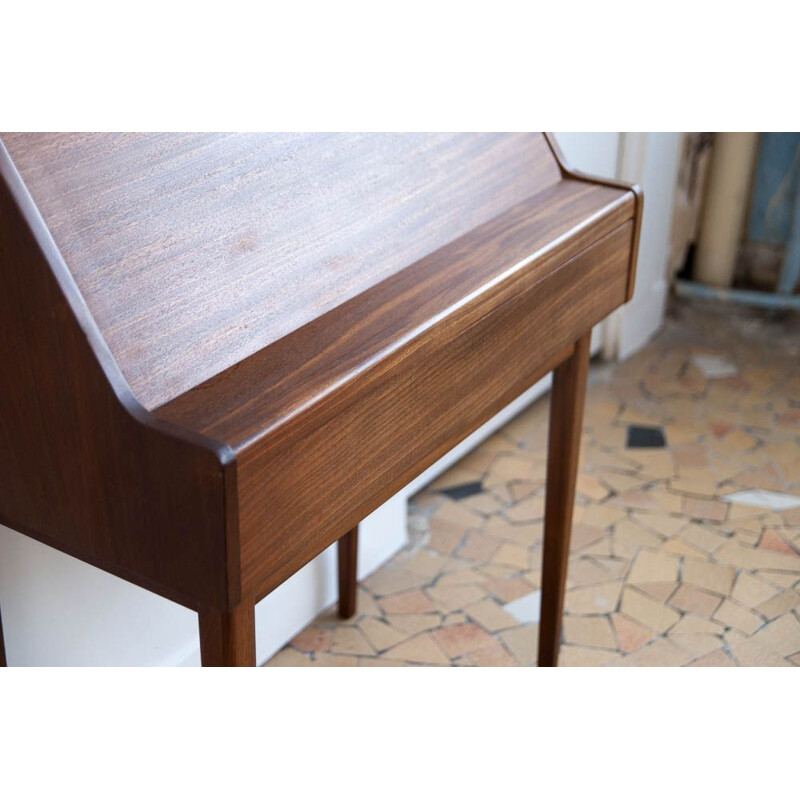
(323, 471)
(78, 470)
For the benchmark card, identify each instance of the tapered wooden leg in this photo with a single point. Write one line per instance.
(228, 639)
(347, 552)
(2, 645)
(566, 419)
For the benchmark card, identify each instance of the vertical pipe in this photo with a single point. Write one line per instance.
(726, 205)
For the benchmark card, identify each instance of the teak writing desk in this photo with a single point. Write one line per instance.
(221, 352)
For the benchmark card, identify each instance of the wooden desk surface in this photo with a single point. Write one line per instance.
(480, 269)
(194, 251)
(221, 352)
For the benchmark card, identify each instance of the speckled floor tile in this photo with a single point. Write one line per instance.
(686, 542)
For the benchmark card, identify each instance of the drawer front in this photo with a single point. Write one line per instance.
(305, 487)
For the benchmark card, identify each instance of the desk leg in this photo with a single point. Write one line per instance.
(228, 639)
(347, 552)
(566, 420)
(3, 662)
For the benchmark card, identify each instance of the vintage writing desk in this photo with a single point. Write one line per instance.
(221, 352)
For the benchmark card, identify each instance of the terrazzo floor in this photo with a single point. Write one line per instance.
(686, 539)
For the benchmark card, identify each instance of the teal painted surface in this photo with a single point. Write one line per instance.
(789, 279)
(775, 188)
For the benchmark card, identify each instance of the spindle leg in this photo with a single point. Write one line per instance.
(228, 638)
(347, 553)
(566, 419)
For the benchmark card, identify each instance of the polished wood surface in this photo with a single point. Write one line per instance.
(385, 428)
(83, 468)
(223, 352)
(566, 419)
(194, 251)
(347, 558)
(228, 638)
(469, 277)
(568, 171)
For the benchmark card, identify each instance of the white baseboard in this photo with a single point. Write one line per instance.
(640, 319)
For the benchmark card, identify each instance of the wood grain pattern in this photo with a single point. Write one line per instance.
(567, 399)
(478, 271)
(347, 563)
(194, 251)
(82, 469)
(228, 638)
(568, 171)
(307, 322)
(325, 469)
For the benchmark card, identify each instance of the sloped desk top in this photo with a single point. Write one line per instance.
(225, 350)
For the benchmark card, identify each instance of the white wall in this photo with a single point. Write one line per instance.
(651, 160)
(59, 611)
(594, 153)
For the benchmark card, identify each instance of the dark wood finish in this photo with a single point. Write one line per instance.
(228, 638)
(221, 352)
(566, 419)
(470, 276)
(194, 251)
(347, 557)
(567, 171)
(84, 467)
(3, 662)
(409, 408)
